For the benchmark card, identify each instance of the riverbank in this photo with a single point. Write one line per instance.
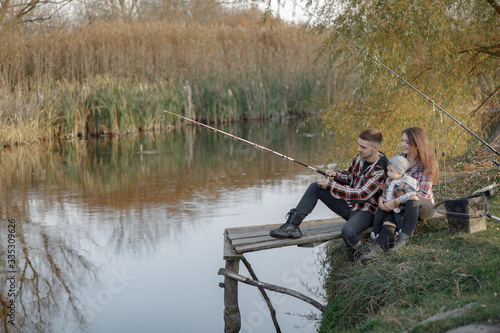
(437, 273)
(115, 78)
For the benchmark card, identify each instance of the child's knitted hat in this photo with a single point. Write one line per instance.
(400, 163)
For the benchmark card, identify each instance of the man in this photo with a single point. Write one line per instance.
(356, 202)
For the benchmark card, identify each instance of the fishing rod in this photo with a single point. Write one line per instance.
(399, 77)
(256, 146)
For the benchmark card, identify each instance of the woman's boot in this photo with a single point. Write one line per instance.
(384, 239)
(400, 243)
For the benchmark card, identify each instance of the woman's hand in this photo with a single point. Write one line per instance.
(382, 204)
(391, 204)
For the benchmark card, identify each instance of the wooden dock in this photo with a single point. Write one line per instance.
(255, 238)
(240, 240)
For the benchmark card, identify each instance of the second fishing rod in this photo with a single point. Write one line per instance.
(255, 145)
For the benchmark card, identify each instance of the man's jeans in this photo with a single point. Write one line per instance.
(357, 221)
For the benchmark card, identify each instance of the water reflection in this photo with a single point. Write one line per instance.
(87, 212)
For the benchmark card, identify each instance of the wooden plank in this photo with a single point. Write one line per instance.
(229, 252)
(256, 230)
(275, 243)
(304, 241)
(304, 223)
(317, 230)
(305, 231)
(310, 245)
(259, 230)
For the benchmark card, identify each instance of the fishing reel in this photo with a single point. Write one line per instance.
(496, 163)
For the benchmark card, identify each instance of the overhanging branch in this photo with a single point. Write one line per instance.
(486, 100)
(495, 5)
(485, 49)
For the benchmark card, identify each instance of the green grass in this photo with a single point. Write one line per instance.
(437, 273)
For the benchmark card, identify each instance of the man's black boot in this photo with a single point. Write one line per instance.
(375, 252)
(353, 252)
(290, 229)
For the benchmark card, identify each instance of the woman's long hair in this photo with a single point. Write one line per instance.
(418, 138)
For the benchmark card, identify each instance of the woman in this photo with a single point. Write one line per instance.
(424, 168)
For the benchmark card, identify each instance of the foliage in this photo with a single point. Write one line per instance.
(21, 13)
(449, 50)
(13, 13)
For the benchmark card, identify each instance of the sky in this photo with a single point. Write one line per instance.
(285, 12)
(288, 13)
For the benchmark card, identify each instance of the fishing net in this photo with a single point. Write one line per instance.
(466, 214)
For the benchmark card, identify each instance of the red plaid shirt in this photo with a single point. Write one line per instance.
(424, 178)
(361, 193)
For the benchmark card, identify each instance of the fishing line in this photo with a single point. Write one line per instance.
(437, 148)
(443, 133)
(395, 74)
(255, 145)
(466, 207)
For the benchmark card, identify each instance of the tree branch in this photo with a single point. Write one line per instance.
(62, 4)
(264, 294)
(495, 5)
(495, 54)
(484, 49)
(486, 100)
(27, 8)
(272, 287)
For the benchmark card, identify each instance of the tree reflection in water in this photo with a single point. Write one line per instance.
(80, 205)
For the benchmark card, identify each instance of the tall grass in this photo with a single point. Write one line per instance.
(118, 77)
(436, 273)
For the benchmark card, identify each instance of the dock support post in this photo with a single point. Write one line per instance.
(232, 317)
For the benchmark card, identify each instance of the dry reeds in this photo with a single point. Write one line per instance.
(118, 77)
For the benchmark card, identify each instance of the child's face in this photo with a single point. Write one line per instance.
(392, 173)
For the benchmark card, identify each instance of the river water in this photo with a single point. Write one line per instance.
(107, 239)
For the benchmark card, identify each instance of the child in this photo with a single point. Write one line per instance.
(397, 186)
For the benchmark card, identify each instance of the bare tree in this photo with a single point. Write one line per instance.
(16, 12)
(108, 10)
(89, 11)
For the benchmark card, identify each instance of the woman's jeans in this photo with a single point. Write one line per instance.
(415, 210)
(357, 221)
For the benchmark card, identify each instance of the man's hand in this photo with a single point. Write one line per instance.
(323, 183)
(331, 173)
